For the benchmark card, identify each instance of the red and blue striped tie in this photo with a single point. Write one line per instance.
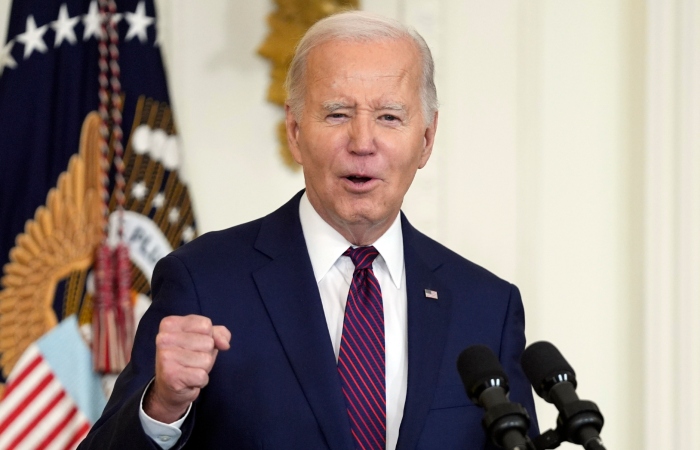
(361, 359)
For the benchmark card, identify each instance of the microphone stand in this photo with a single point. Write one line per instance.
(579, 422)
(506, 424)
(552, 439)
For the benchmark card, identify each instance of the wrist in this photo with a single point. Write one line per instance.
(156, 408)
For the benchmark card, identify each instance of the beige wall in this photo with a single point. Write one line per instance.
(537, 174)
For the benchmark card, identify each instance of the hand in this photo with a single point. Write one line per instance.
(186, 349)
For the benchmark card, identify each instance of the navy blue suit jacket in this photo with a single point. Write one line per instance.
(278, 386)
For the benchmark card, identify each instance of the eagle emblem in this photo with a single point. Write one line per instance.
(49, 274)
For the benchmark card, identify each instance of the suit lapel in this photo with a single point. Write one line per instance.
(290, 294)
(428, 321)
(291, 297)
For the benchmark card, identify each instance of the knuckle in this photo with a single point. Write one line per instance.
(164, 361)
(195, 318)
(198, 324)
(208, 360)
(162, 339)
(169, 323)
(202, 378)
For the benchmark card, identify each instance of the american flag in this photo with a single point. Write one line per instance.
(429, 293)
(44, 404)
(48, 94)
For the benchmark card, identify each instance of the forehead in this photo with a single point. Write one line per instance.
(388, 65)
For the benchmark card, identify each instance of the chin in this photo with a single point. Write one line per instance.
(367, 218)
(362, 211)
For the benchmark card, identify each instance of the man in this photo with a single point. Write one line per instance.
(287, 364)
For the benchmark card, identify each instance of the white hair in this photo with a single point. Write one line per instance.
(358, 26)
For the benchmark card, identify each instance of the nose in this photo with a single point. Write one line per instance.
(362, 135)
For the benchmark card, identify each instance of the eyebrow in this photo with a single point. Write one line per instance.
(394, 107)
(333, 106)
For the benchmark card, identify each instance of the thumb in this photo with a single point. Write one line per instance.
(222, 337)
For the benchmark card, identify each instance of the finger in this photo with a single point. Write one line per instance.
(222, 337)
(181, 381)
(185, 341)
(190, 324)
(184, 359)
(197, 324)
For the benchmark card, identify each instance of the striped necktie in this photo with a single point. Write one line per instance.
(361, 362)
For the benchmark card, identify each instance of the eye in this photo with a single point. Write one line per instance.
(390, 119)
(336, 117)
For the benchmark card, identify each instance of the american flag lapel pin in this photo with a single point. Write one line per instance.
(429, 293)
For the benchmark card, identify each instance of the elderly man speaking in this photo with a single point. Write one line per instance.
(331, 323)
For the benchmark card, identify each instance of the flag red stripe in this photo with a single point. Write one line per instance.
(78, 436)
(22, 375)
(58, 428)
(38, 418)
(28, 399)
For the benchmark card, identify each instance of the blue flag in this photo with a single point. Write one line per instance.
(50, 223)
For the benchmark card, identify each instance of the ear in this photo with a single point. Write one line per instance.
(428, 141)
(292, 134)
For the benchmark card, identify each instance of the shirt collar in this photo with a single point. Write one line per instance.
(326, 245)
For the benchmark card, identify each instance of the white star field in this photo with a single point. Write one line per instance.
(33, 38)
(63, 26)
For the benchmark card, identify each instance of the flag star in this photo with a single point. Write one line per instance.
(63, 26)
(187, 234)
(139, 191)
(92, 22)
(158, 200)
(174, 215)
(33, 38)
(138, 23)
(116, 18)
(6, 59)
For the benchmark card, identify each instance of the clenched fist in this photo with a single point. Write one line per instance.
(186, 349)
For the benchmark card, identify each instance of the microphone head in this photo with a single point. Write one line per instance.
(480, 369)
(545, 366)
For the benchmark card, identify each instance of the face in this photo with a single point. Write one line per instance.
(362, 135)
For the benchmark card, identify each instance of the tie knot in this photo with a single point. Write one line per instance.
(362, 257)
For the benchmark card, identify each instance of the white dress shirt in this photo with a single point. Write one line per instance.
(333, 274)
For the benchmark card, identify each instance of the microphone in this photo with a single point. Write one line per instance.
(554, 380)
(486, 383)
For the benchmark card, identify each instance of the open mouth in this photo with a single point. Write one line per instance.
(358, 180)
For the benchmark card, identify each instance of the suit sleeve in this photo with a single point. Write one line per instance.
(512, 346)
(119, 427)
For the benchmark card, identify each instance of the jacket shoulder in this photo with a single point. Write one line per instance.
(451, 265)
